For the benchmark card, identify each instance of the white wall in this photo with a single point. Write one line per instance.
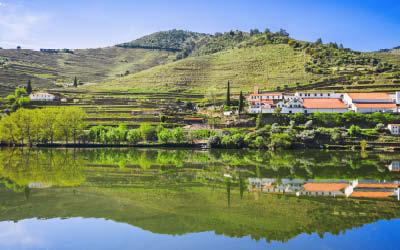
(309, 111)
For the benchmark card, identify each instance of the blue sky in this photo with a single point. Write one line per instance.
(363, 25)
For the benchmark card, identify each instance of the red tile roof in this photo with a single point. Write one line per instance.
(371, 194)
(193, 119)
(377, 185)
(394, 125)
(268, 94)
(369, 96)
(324, 187)
(316, 103)
(375, 105)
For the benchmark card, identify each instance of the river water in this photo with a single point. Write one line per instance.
(193, 199)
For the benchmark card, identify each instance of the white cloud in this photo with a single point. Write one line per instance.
(20, 25)
(15, 234)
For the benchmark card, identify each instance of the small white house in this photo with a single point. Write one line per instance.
(292, 107)
(42, 96)
(394, 129)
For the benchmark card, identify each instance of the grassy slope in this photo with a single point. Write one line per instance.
(89, 65)
(244, 67)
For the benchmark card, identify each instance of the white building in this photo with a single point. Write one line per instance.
(41, 96)
(329, 105)
(394, 129)
(318, 95)
(326, 189)
(291, 107)
(261, 106)
(369, 102)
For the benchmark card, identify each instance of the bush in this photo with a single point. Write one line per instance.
(260, 142)
(214, 141)
(308, 124)
(280, 141)
(275, 128)
(164, 136)
(134, 136)
(148, 132)
(380, 127)
(178, 135)
(354, 130)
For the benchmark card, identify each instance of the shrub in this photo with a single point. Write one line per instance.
(214, 141)
(178, 135)
(354, 130)
(134, 136)
(281, 141)
(275, 128)
(308, 124)
(260, 142)
(148, 132)
(380, 127)
(164, 136)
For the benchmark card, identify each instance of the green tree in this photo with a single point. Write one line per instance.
(178, 135)
(164, 136)
(134, 136)
(75, 82)
(29, 87)
(283, 141)
(241, 102)
(228, 95)
(148, 132)
(259, 121)
(354, 130)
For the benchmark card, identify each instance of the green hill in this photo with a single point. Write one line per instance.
(270, 60)
(172, 40)
(268, 66)
(48, 70)
(193, 61)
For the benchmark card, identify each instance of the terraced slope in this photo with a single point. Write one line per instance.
(89, 65)
(268, 66)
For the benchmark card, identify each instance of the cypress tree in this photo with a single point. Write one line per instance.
(29, 87)
(75, 82)
(241, 102)
(228, 96)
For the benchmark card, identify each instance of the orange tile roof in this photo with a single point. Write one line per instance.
(369, 96)
(268, 94)
(394, 125)
(315, 103)
(371, 194)
(377, 185)
(193, 119)
(269, 186)
(324, 187)
(375, 105)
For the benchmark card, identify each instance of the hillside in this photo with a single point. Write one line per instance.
(270, 60)
(89, 65)
(268, 66)
(193, 61)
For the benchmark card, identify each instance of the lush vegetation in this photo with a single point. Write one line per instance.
(42, 125)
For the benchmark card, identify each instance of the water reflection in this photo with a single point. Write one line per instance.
(345, 188)
(264, 195)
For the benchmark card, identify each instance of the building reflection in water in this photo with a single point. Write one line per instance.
(345, 188)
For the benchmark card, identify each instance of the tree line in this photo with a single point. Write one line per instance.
(29, 126)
